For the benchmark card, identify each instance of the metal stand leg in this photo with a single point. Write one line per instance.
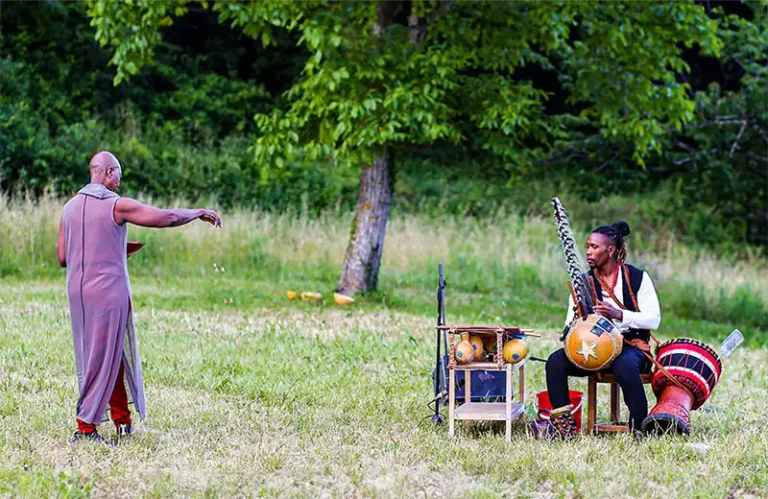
(508, 414)
(522, 390)
(451, 400)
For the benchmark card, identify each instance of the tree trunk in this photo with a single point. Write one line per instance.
(360, 271)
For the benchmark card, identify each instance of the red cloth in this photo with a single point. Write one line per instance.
(118, 405)
(118, 402)
(84, 427)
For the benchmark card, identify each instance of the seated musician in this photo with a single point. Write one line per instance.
(634, 307)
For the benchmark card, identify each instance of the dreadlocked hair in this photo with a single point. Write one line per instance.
(616, 232)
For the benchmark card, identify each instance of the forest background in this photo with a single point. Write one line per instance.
(184, 128)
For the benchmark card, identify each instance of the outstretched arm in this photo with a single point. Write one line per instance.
(61, 247)
(131, 211)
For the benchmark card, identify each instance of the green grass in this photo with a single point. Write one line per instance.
(250, 394)
(264, 397)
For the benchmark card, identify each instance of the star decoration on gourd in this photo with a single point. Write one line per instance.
(587, 350)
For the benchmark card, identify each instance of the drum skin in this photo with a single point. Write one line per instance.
(592, 343)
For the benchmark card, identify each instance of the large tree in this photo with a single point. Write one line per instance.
(385, 74)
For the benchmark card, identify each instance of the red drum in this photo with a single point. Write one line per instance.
(696, 367)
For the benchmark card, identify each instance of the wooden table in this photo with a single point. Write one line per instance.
(486, 411)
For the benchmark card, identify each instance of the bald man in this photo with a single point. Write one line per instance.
(93, 247)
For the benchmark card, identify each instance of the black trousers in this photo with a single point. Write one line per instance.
(627, 368)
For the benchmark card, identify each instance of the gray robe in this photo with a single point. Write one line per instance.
(99, 295)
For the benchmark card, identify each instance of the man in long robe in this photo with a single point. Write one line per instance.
(92, 245)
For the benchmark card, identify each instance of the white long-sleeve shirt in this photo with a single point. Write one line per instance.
(649, 316)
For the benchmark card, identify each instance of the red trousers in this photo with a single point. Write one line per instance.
(118, 405)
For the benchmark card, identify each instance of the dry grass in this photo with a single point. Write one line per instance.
(515, 261)
(291, 402)
(294, 243)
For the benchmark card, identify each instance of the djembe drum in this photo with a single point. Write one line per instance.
(692, 371)
(592, 343)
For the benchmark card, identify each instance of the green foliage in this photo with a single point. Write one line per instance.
(58, 108)
(625, 65)
(64, 74)
(478, 120)
(710, 185)
(19, 135)
(178, 158)
(691, 302)
(202, 118)
(501, 266)
(164, 164)
(32, 156)
(724, 182)
(371, 81)
(659, 213)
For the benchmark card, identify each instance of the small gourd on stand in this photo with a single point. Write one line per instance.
(514, 351)
(477, 343)
(491, 348)
(465, 351)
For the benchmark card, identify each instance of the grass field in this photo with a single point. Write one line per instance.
(252, 395)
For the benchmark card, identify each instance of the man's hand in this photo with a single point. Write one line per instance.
(609, 311)
(131, 211)
(211, 217)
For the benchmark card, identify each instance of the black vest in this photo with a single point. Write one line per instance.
(635, 279)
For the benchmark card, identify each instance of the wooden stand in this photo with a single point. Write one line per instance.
(486, 411)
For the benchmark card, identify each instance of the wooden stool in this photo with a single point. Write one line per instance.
(614, 425)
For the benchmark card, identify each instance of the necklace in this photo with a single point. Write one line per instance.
(613, 284)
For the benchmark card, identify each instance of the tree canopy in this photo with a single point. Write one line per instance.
(470, 96)
(447, 71)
